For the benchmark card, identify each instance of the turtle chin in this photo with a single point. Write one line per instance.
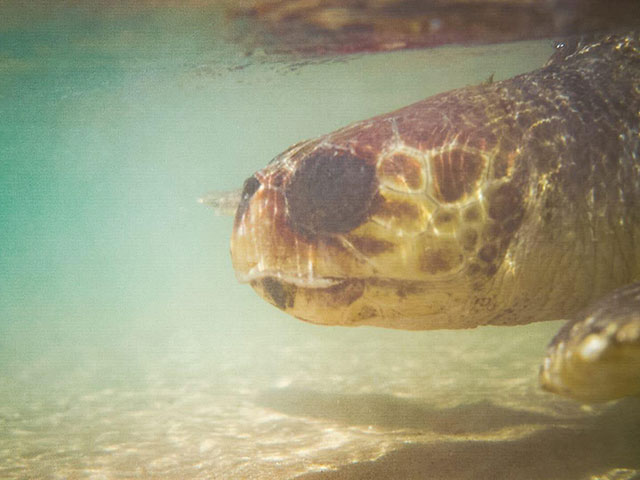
(387, 303)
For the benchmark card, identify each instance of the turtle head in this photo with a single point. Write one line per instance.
(365, 227)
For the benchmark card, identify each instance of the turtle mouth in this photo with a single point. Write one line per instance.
(312, 282)
(307, 298)
(354, 301)
(330, 301)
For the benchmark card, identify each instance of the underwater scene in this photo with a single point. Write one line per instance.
(128, 349)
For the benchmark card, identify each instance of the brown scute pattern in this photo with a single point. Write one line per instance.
(367, 311)
(472, 214)
(488, 253)
(277, 178)
(505, 158)
(440, 260)
(473, 268)
(512, 224)
(506, 204)
(469, 239)
(491, 231)
(403, 171)
(365, 140)
(398, 210)
(482, 139)
(409, 288)
(456, 174)
(418, 133)
(277, 223)
(370, 245)
(444, 218)
(344, 293)
(544, 142)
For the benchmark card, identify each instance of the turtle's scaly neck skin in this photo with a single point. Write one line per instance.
(505, 203)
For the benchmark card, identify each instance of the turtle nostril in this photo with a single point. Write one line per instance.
(330, 192)
(251, 186)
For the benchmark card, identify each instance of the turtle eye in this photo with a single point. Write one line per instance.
(330, 192)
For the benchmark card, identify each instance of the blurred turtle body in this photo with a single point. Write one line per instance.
(320, 27)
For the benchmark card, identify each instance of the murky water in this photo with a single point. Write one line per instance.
(127, 349)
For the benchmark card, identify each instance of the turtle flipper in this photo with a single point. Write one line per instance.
(596, 356)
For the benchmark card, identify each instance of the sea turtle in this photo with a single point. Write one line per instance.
(498, 204)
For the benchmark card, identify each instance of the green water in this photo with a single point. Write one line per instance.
(128, 350)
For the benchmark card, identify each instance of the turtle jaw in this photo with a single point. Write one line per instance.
(326, 301)
(372, 301)
(256, 276)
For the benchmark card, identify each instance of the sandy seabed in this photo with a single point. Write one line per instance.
(311, 403)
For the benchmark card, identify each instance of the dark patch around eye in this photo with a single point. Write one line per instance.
(251, 186)
(331, 192)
